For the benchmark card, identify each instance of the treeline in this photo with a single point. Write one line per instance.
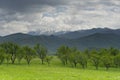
(97, 57)
(11, 52)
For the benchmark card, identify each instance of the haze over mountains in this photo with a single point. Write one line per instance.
(92, 38)
(77, 34)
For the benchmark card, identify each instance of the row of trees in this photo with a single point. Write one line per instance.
(11, 51)
(97, 57)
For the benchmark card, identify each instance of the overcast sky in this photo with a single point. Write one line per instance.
(57, 15)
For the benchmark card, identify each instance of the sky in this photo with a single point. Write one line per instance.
(57, 15)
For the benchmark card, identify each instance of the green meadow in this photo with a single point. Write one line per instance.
(55, 71)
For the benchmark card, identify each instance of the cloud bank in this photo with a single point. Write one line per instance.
(57, 15)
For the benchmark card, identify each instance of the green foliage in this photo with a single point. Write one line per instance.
(87, 53)
(95, 57)
(107, 61)
(73, 57)
(82, 60)
(8, 57)
(63, 54)
(20, 54)
(117, 60)
(6, 47)
(41, 52)
(29, 54)
(10, 48)
(13, 51)
(48, 59)
(114, 51)
(2, 55)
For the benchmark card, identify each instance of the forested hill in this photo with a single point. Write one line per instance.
(96, 40)
(51, 42)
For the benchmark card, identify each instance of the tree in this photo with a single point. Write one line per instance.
(5, 46)
(20, 54)
(104, 51)
(88, 54)
(41, 52)
(10, 48)
(63, 54)
(95, 57)
(117, 60)
(48, 59)
(13, 51)
(113, 51)
(73, 57)
(2, 55)
(106, 58)
(82, 60)
(29, 54)
(107, 61)
(7, 57)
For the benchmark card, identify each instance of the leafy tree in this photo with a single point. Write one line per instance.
(48, 59)
(106, 58)
(73, 57)
(8, 57)
(13, 51)
(82, 60)
(20, 54)
(107, 61)
(117, 60)
(104, 51)
(2, 55)
(41, 52)
(5, 46)
(63, 53)
(113, 51)
(29, 54)
(88, 54)
(95, 57)
(10, 48)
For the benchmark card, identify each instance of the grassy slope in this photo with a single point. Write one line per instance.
(55, 71)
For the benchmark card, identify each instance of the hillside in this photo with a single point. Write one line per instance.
(82, 33)
(99, 40)
(52, 42)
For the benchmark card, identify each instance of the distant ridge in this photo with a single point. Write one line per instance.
(100, 40)
(82, 33)
(93, 38)
(77, 34)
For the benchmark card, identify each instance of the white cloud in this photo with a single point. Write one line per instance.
(14, 27)
(76, 15)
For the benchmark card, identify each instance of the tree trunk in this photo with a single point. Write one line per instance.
(75, 64)
(28, 62)
(83, 66)
(96, 67)
(106, 68)
(66, 61)
(13, 57)
(42, 61)
(13, 61)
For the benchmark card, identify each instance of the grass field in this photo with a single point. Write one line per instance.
(56, 71)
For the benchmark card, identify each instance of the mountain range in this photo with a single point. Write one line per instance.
(82, 39)
(82, 33)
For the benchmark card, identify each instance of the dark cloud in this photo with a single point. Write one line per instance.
(22, 5)
(57, 15)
